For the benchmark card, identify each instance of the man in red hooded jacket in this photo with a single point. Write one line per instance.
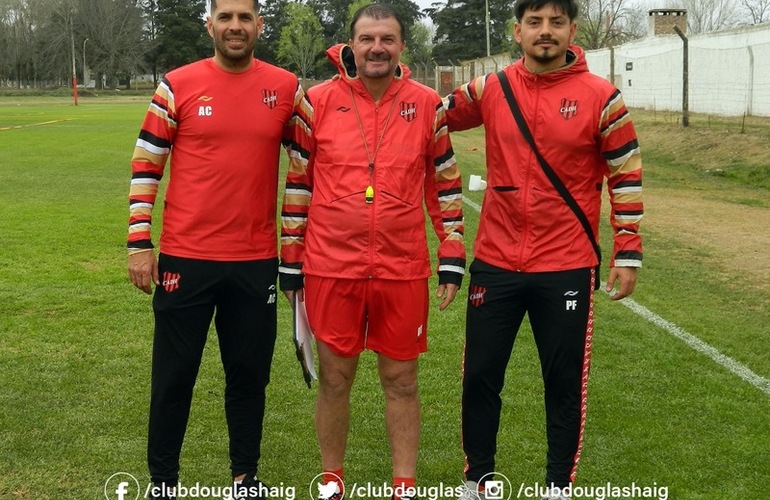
(353, 226)
(532, 254)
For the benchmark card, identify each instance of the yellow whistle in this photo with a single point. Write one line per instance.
(369, 194)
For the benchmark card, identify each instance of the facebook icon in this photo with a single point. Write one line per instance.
(122, 490)
(121, 486)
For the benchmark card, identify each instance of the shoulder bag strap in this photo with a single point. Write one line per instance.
(549, 172)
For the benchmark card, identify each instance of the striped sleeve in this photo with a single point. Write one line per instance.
(444, 200)
(620, 148)
(463, 110)
(147, 165)
(299, 190)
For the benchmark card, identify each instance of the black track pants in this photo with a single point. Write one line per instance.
(241, 297)
(560, 309)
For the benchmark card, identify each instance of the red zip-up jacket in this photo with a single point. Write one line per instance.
(328, 227)
(582, 128)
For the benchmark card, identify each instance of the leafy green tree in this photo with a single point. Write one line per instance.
(419, 51)
(301, 42)
(181, 35)
(461, 29)
(275, 15)
(335, 16)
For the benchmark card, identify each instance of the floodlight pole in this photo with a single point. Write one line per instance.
(685, 78)
(85, 79)
(486, 16)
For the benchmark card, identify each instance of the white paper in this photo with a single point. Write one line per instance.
(303, 340)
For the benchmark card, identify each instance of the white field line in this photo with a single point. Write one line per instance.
(694, 342)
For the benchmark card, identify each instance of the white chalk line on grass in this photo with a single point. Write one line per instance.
(691, 340)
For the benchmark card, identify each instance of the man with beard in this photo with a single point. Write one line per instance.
(536, 249)
(353, 241)
(222, 120)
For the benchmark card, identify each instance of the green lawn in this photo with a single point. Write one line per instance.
(75, 342)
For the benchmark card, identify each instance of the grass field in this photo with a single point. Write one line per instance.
(75, 337)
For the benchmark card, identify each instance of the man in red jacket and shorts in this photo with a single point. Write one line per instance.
(376, 149)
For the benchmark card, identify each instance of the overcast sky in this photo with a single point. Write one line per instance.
(646, 3)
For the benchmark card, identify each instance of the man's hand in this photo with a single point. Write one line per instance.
(291, 293)
(143, 270)
(448, 291)
(627, 278)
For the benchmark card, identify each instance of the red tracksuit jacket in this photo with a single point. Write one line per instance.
(582, 128)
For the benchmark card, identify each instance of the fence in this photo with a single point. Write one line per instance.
(729, 72)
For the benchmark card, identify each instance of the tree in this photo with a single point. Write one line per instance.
(335, 17)
(182, 36)
(17, 34)
(150, 37)
(420, 50)
(275, 14)
(461, 28)
(114, 30)
(57, 30)
(704, 16)
(758, 10)
(301, 41)
(602, 22)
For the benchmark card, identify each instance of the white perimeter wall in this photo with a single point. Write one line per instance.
(729, 71)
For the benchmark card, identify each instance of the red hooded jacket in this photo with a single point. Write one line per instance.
(328, 227)
(582, 128)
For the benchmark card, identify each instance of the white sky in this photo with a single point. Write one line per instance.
(646, 3)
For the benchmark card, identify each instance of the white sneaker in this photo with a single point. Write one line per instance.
(555, 494)
(470, 491)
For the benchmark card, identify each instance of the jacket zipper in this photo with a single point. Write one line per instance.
(375, 202)
(528, 181)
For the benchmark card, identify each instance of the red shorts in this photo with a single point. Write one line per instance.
(388, 317)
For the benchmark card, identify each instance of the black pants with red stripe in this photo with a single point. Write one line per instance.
(560, 310)
(241, 298)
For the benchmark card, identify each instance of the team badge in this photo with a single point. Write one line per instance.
(408, 111)
(171, 281)
(270, 98)
(476, 296)
(568, 109)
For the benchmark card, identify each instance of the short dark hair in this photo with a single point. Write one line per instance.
(569, 7)
(377, 11)
(214, 6)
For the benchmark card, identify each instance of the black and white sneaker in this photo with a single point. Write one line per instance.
(250, 488)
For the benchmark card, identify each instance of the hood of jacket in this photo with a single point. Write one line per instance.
(342, 57)
(576, 63)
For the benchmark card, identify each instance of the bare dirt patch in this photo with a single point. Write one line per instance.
(737, 237)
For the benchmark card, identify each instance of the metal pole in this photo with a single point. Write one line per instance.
(486, 8)
(612, 65)
(85, 78)
(685, 79)
(74, 76)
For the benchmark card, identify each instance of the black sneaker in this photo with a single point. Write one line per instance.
(250, 488)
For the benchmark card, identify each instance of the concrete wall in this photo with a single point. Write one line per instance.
(729, 71)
